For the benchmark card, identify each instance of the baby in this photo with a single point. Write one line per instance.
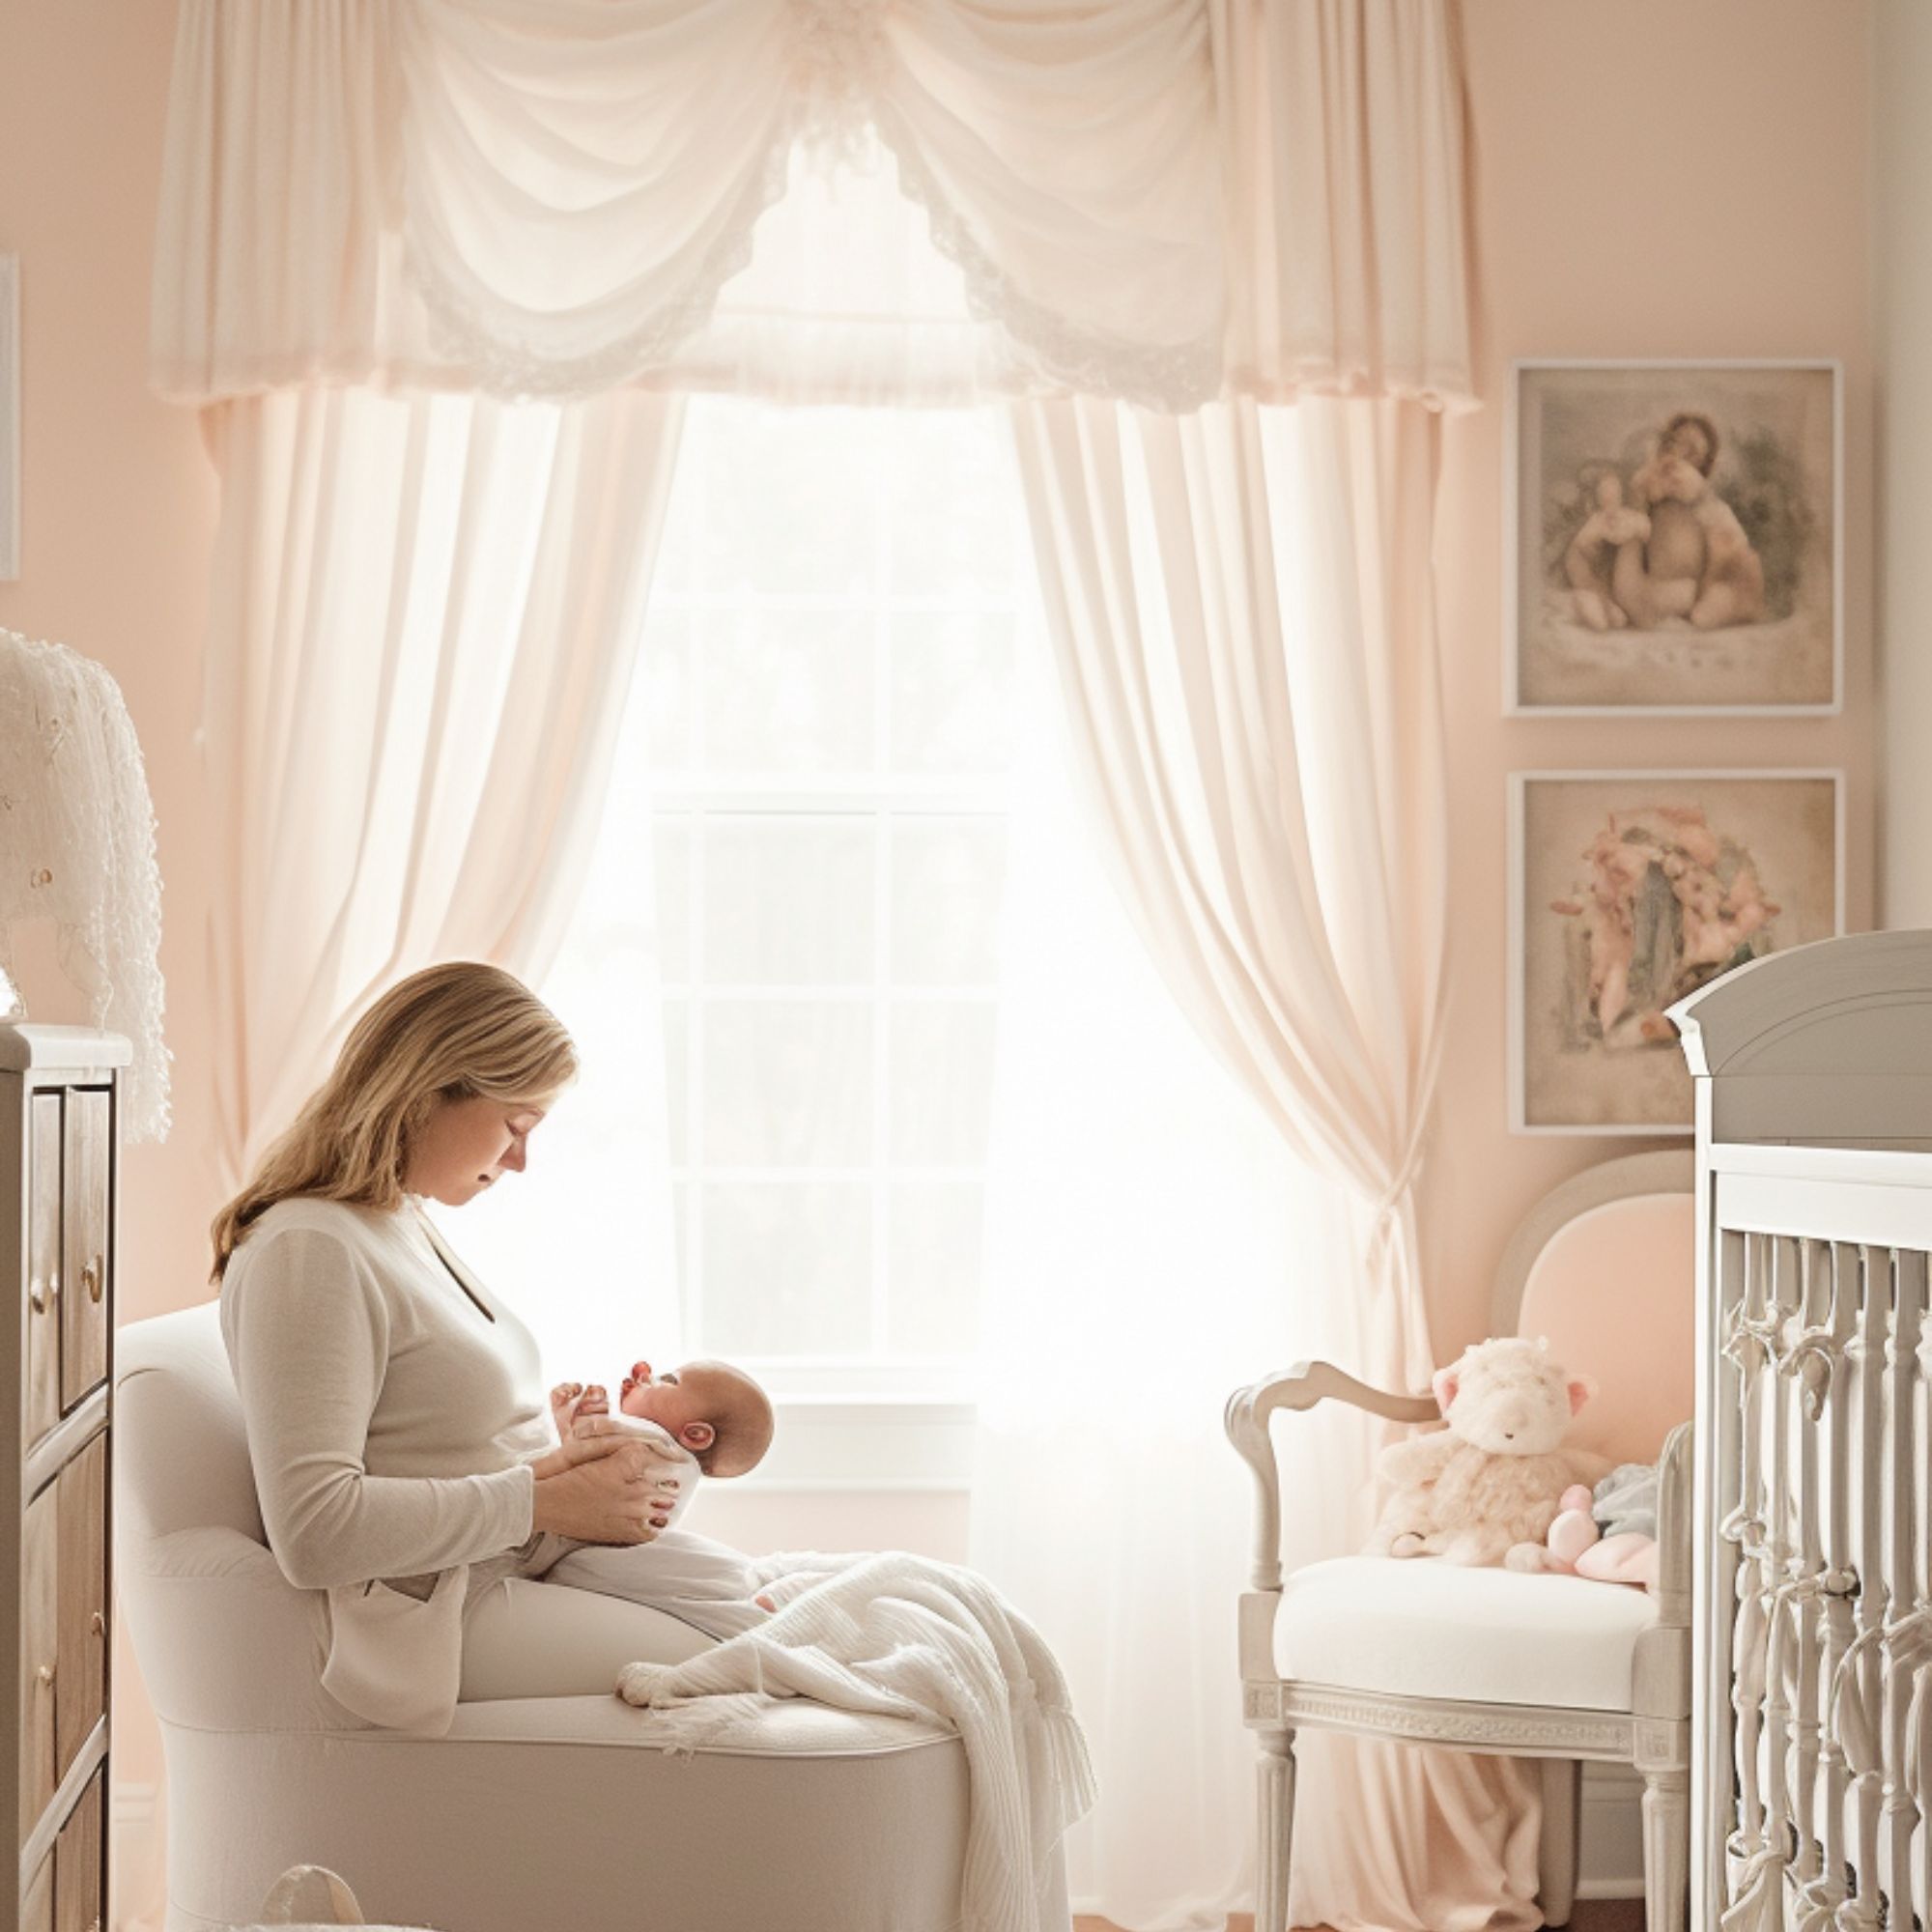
(715, 1414)
(705, 1418)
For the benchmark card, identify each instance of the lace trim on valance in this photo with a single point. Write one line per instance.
(840, 62)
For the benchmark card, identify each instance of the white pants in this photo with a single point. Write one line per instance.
(560, 1619)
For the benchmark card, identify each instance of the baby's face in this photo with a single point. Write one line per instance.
(667, 1399)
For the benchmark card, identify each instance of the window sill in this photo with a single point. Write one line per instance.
(872, 1444)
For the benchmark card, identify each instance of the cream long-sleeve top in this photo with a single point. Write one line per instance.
(392, 1408)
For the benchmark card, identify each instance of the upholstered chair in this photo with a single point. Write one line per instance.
(1554, 1667)
(537, 1811)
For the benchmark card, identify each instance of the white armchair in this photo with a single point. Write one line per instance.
(532, 1812)
(1553, 1668)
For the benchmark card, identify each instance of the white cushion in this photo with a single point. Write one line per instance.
(1422, 1628)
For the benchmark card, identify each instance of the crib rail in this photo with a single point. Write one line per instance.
(1816, 1603)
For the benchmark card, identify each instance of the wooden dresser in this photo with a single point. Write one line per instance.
(58, 1160)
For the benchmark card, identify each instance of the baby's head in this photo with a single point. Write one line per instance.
(1692, 438)
(717, 1412)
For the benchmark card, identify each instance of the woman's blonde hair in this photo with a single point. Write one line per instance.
(454, 1032)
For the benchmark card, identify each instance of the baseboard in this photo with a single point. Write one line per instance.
(1610, 1842)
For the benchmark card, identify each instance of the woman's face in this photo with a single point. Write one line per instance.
(468, 1144)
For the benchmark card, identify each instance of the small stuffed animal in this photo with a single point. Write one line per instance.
(1491, 1479)
(1609, 1537)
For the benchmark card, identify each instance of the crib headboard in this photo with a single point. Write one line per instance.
(1811, 1799)
(1827, 1045)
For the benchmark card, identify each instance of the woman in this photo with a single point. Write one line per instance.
(395, 1410)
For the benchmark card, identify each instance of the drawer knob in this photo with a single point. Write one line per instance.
(46, 1673)
(98, 1623)
(39, 1294)
(90, 1279)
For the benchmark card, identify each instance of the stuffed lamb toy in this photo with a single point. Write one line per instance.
(1495, 1476)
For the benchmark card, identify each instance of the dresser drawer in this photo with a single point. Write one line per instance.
(80, 1862)
(41, 1403)
(80, 1608)
(84, 1259)
(40, 1651)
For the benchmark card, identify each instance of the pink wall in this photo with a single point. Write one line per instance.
(1651, 180)
(117, 514)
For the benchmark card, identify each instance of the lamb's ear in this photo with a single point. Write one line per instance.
(1582, 1389)
(1444, 1383)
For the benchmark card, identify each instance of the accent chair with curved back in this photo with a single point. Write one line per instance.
(532, 1811)
(1553, 1667)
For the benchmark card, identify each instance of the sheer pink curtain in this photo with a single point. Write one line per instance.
(424, 615)
(1240, 605)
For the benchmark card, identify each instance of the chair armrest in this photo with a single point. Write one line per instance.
(1673, 1528)
(1246, 1420)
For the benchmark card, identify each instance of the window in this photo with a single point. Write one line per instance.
(812, 778)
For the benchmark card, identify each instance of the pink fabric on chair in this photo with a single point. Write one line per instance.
(1612, 1290)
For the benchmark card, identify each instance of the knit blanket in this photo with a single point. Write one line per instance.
(904, 1637)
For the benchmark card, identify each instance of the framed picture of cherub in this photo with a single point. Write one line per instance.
(1630, 890)
(1674, 538)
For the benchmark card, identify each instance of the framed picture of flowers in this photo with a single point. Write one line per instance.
(1630, 890)
(1674, 538)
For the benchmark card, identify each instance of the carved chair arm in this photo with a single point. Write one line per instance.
(1300, 1387)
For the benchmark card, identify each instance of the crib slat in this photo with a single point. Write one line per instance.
(1869, 1671)
(1838, 1545)
(1810, 1367)
(1743, 1526)
(1783, 1304)
(1902, 1463)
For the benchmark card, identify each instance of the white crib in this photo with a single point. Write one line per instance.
(1812, 1758)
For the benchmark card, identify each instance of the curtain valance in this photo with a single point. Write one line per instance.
(1161, 200)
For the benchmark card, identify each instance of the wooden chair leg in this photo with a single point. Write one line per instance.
(1557, 1850)
(1275, 1780)
(1666, 1849)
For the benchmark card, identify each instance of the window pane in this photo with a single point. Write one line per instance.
(670, 858)
(677, 1078)
(788, 1083)
(952, 690)
(790, 503)
(788, 692)
(942, 1080)
(947, 874)
(788, 901)
(665, 689)
(935, 1267)
(787, 1268)
(953, 505)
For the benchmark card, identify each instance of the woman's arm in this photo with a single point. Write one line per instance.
(308, 1338)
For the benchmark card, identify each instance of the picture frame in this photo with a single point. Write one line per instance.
(1668, 878)
(1600, 527)
(10, 419)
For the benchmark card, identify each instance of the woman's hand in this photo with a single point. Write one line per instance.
(603, 1485)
